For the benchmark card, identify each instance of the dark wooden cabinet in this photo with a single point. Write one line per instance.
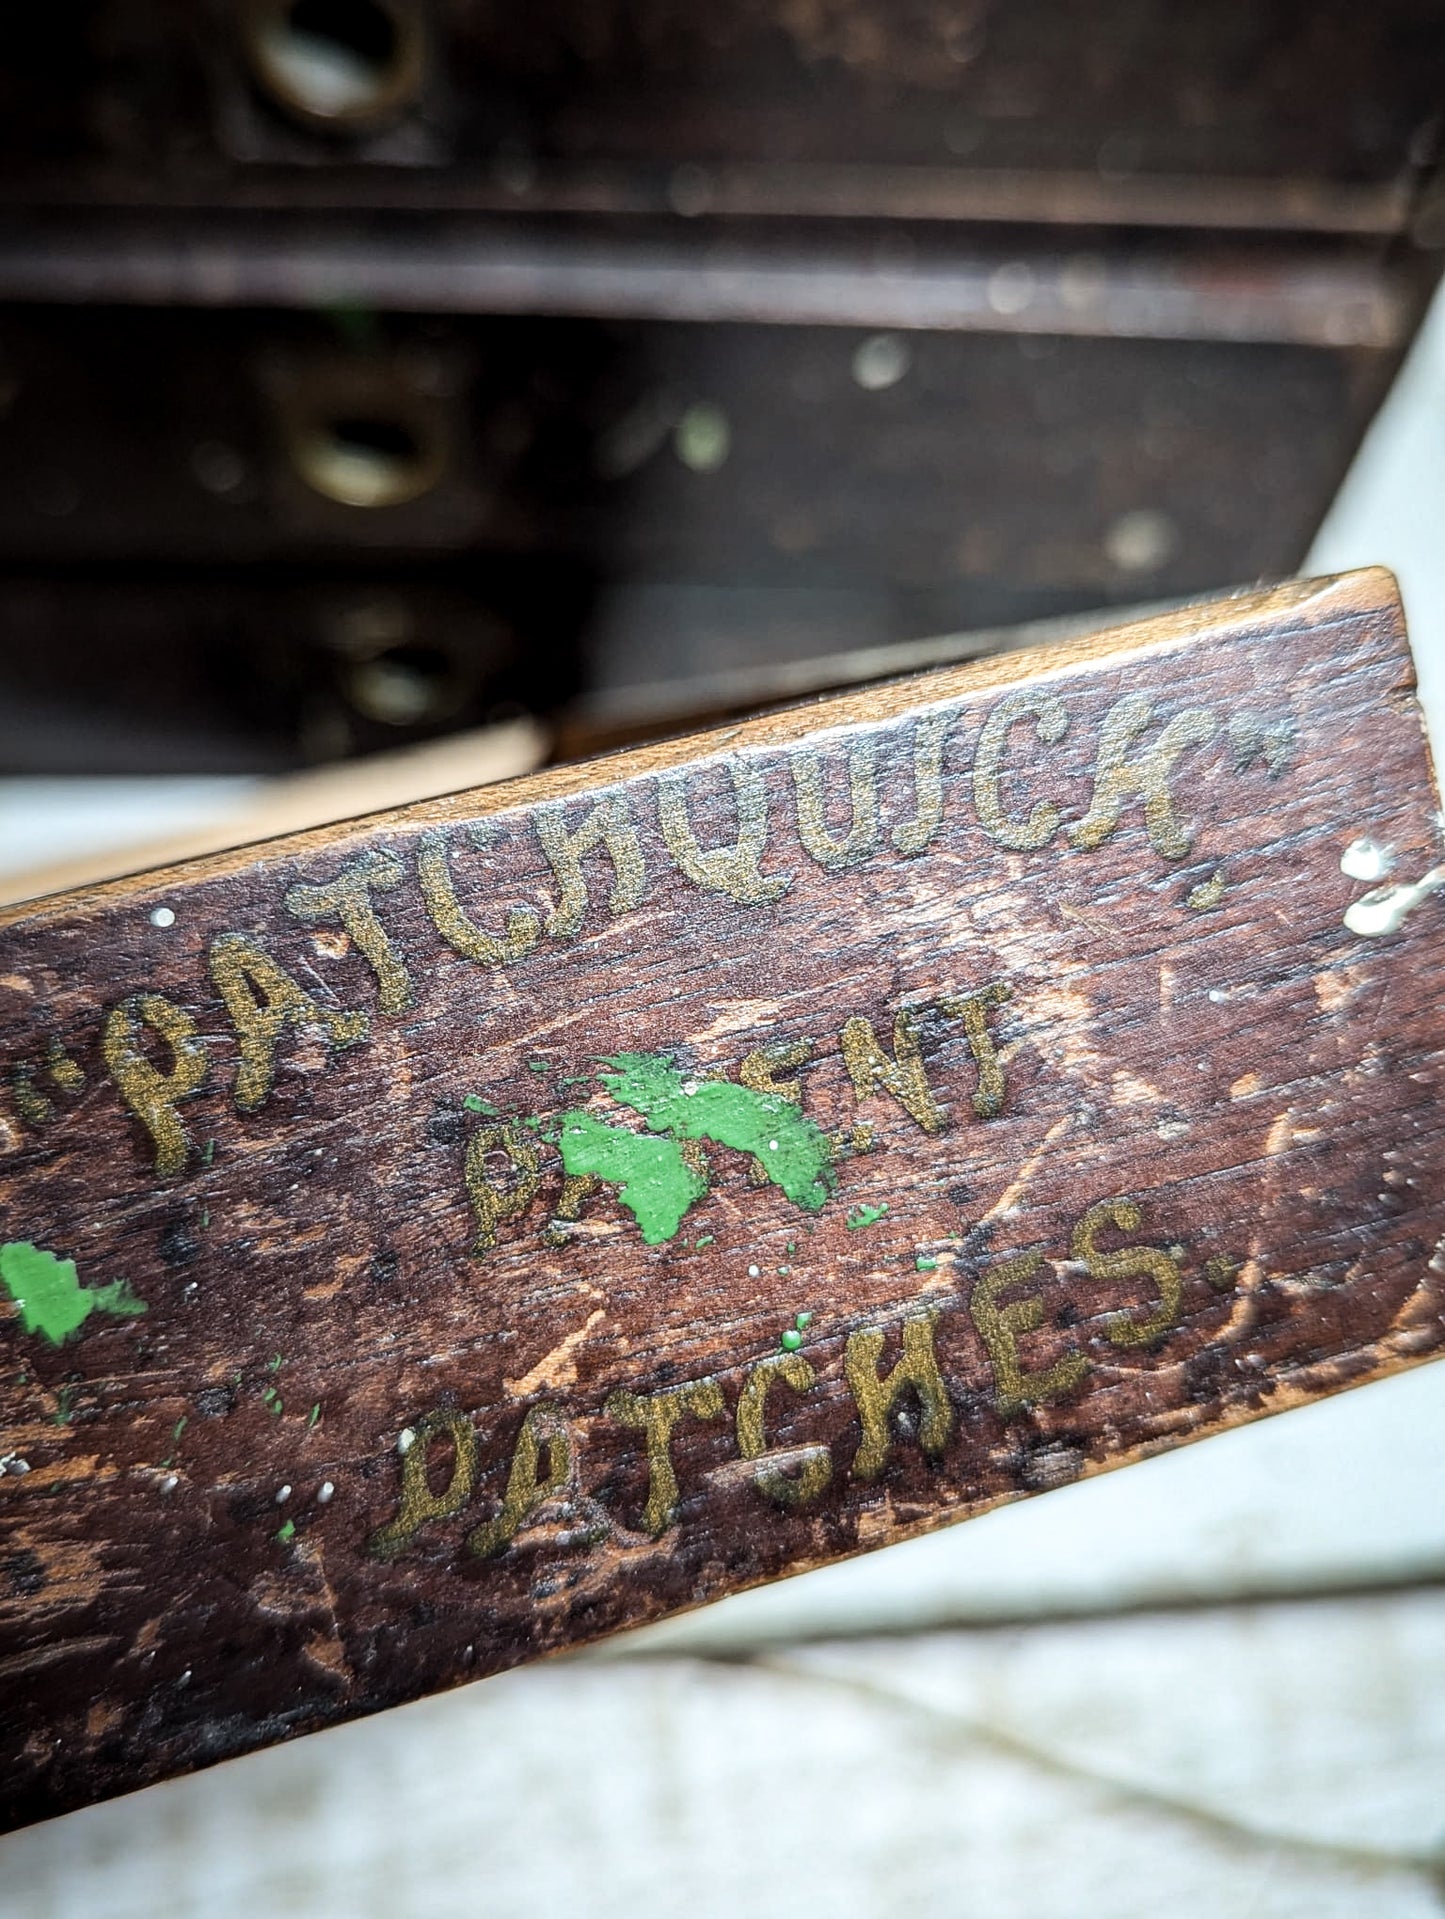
(605, 353)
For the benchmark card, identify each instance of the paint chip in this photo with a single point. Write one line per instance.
(865, 1215)
(162, 916)
(1382, 912)
(324, 1492)
(1366, 859)
(283, 1494)
(48, 1292)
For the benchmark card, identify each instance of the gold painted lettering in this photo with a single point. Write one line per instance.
(1122, 774)
(930, 736)
(973, 1009)
(656, 1415)
(544, 1430)
(917, 1372)
(492, 1202)
(464, 936)
(31, 1104)
(758, 1073)
(67, 1073)
(1252, 737)
(608, 825)
(577, 1188)
(418, 1505)
(814, 1463)
(1129, 1262)
(871, 1070)
(152, 1095)
(724, 869)
(347, 898)
(1001, 1328)
(861, 838)
(1051, 723)
(263, 1000)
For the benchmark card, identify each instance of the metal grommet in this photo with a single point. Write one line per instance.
(364, 436)
(337, 65)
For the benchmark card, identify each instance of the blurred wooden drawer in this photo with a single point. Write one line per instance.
(969, 477)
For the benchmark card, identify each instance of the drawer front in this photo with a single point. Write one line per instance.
(970, 475)
(136, 95)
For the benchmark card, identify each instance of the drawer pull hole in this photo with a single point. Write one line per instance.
(405, 686)
(342, 63)
(362, 459)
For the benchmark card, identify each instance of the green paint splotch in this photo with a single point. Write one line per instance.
(654, 1181)
(51, 1299)
(865, 1214)
(793, 1152)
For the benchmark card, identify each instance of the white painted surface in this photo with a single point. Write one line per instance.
(1391, 509)
(1286, 1760)
(47, 821)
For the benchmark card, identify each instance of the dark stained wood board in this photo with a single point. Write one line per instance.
(1021, 1103)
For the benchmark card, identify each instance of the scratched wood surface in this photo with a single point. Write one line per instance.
(434, 1242)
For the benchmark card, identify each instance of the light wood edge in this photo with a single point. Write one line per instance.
(1292, 605)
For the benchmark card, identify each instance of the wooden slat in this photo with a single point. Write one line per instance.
(529, 1213)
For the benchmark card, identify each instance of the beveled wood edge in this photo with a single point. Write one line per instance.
(1285, 607)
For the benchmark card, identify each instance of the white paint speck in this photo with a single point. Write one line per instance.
(1382, 912)
(162, 916)
(283, 1494)
(772, 1146)
(881, 361)
(689, 1087)
(755, 1272)
(1366, 859)
(324, 1492)
(169, 1483)
(1217, 996)
(405, 1440)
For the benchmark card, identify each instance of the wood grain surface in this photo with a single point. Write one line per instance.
(438, 1241)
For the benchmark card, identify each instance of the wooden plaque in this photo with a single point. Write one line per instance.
(444, 1239)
